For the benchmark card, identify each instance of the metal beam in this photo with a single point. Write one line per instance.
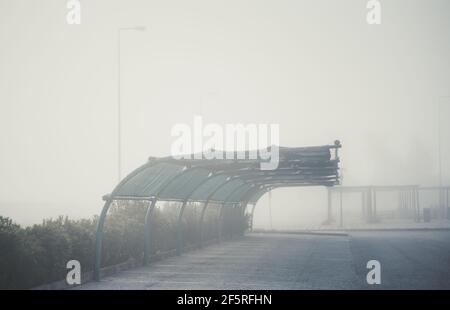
(147, 223)
(180, 216)
(222, 207)
(202, 215)
(99, 238)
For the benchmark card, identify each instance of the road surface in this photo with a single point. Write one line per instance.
(409, 260)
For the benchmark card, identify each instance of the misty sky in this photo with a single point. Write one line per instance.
(314, 67)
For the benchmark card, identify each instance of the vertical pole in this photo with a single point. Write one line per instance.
(418, 204)
(234, 219)
(329, 206)
(237, 213)
(220, 221)
(98, 240)
(410, 201)
(206, 206)
(441, 202)
(180, 228)
(407, 203)
(244, 208)
(369, 204)
(374, 204)
(447, 205)
(231, 214)
(147, 232)
(119, 120)
(401, 203)
(363, 203)
(341, 215)
(251, 216)
(414, 193)
(439, 156)
(270, 210)
(202, 216)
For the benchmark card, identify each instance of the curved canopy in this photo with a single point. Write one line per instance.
(229, 180)
(222, 181)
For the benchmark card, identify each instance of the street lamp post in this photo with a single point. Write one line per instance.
(119, 119)
(441, 192)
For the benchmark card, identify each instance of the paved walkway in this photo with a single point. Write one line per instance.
(409, 260)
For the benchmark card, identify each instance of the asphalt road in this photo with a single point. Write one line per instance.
(409, 260)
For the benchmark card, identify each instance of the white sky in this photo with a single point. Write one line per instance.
(314, 67)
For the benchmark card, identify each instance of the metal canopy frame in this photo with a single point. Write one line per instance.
(443, 196)
(408, 198)
(234, 182)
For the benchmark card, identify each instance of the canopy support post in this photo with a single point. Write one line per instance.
(205, 206)
(147, 225)
(202, 216)
(99, 238)
(251, 216)
(180, 229)
(220, 220)
(147, 232)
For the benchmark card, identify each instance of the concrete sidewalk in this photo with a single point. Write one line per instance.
(409, 260)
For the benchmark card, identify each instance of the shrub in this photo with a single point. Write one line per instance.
(38, 254)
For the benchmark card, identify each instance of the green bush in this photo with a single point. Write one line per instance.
(38, 254)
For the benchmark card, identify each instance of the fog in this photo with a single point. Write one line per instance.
(316, 68)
